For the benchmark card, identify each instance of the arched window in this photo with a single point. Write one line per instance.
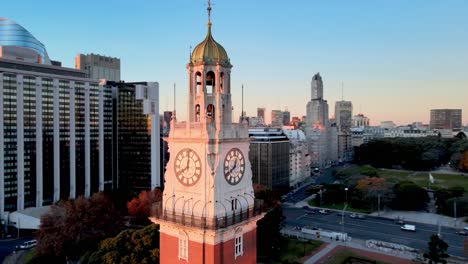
(197, 113)
(198, 82)
(210, 82)
(221, 82)
(210, 112)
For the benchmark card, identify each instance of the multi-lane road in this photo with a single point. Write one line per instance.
(377, 228)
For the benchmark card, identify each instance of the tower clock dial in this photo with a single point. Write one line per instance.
(187, 166)
(234, 166)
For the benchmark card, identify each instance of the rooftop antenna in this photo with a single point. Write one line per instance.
(342, 91)
(190, 53)
(174, 113)
(242, 113)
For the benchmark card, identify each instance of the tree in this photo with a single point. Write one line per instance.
(141, 205)
(73, 227)
(373, 187)
(129, 246)
(463, 164)
(409, 196)
(269, 239)
(437, 250)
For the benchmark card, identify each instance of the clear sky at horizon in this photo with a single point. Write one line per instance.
(397, 59)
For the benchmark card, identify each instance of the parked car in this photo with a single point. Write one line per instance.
(465, 228)
(360, 216)
(323, 211)
(462, 233)
(353, 215)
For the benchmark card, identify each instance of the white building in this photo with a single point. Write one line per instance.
(299, 158)
(98, 66)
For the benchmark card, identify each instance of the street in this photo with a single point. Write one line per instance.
(7, 246)
(377, 228)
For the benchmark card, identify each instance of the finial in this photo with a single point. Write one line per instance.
(190, 52)
(209, 13)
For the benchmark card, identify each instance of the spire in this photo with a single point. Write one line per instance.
(209, 13)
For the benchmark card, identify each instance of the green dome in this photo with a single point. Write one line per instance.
(209, 51)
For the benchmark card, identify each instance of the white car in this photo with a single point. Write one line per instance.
(408, 227)
(465, 228)
(27, 244)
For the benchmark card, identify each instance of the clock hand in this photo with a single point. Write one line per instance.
(233, 167)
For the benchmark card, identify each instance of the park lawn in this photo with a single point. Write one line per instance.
(340, 206)
(393, 176)
(296, 249)
(343, 255)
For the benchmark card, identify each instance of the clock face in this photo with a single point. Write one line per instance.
(187, 167)
(234, 166)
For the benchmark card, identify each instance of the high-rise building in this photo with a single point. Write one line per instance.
(276, 118)
(261, 113)
(98, 66)
(446, 119)
(132, 142)
(317, 107)
(299, 158)
(343, 118)
(269, 156)
(166, 125)
(318, 130)
(286, 117)
(208, 212)
(55, 127)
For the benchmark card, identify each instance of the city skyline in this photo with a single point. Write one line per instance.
(397, 60)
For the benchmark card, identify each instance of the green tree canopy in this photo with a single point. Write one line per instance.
(128, 247)
(409, 196)
(437, 250)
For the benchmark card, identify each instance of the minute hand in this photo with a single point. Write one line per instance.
(233, 167)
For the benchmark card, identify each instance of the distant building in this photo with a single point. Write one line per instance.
(299, 158)
(166, 124)
(98, 66)
(276, 118)
(387, 124)
(407, 132)
(56, 127)
(321, 135)
(269, 157)
(360, 120)
(446, 119)
(286, 117)
(256, 122)
(261, 113)
(343, 118)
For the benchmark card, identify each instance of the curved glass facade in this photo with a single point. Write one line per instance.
(12, 34)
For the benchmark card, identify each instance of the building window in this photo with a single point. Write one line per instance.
(183, 246)
(238, 251)
(234, 204)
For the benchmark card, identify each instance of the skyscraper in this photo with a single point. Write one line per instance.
(318, 130)
(286, 117)
(276, 118)
(261, 113)
(55, 128)
(98, 66)
(343, 118)
(446, 119)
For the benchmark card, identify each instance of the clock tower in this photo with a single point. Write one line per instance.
(208, 212)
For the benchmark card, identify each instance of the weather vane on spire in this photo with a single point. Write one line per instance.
(209, 11)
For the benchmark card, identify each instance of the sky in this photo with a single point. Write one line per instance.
(395, 60)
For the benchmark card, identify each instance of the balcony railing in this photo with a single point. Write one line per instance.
(207, 222)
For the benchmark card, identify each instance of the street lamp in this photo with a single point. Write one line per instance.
(346, 195)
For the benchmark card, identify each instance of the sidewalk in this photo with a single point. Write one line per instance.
(425, 218)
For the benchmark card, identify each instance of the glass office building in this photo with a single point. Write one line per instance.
(55, 127)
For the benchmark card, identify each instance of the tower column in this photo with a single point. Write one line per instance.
(39, 159)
